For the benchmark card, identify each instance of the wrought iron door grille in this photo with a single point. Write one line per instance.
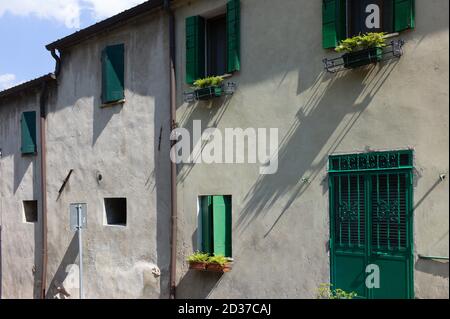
(350, 211)
(389, 211)
(371, 161)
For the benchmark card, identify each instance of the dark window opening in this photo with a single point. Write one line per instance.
(216, 44)
(30, 209)
(369, 16)
(116, 211)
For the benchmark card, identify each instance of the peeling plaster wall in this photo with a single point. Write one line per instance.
(120, 143)
(281, 222)
(20, 242)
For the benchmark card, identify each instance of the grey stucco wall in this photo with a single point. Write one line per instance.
(20, 242)
(280, 223)
(122, 144)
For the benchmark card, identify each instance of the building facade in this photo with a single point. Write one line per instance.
(355, 195)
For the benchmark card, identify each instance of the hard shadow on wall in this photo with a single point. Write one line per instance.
(331, 110)
(56, 287)
(209, 113)
(197, 285)
(102, 116)
(21, 166)
(433, 267)
(161, 186)
(38, 244)
(194, 284)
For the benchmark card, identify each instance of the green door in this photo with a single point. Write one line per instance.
(371, 224)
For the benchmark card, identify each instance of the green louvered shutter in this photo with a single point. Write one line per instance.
(28, 129)
(404, 14)
(207, 231)
(195, 48)
(222, 225)
(113, 72)
(233, 36)
(333, 22)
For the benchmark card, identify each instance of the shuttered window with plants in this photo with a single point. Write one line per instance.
(371, 222)
(213, 45)
(113, 74)
(216, 225)
(28, 133)
(342, 19)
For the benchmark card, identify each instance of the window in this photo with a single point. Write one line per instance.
(216, 31)
(213, 45)
(369, 16)
(215, 216)
(346, 18)
(30, 211)
(28, 133)
(116, 211)
(113, 71)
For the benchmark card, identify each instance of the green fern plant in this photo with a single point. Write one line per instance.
(362, 42)
(220, 260)
(198, 257)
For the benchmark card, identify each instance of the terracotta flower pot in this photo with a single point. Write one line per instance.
(219, 268)
(197, 266)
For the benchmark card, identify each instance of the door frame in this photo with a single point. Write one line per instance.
(353, 167)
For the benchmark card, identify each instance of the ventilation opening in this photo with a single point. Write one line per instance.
(30, 210)
(116, 211)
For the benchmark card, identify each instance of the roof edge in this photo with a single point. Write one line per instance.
(27, 85)
(94, 29)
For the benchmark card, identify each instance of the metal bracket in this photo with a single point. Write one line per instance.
(394, 50)
(228, 88)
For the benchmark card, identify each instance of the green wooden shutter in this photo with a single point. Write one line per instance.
(28, 129)
(195, 48)
(206, 216)
(113, 72)
(233, 36)
(222, 225)
(404, 14)
(333, 22)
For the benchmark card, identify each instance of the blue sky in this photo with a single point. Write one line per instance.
(26, 26)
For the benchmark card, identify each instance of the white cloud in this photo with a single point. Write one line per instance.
(67, 12)
(102, 9)
(7, 81)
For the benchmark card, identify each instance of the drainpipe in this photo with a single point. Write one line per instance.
(42, 137)
(173, 167)
(58, 62)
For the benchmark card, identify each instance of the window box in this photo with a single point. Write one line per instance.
(197, 265)
(364, 57)
(208, 93)
(219, 268)
(206, 262)
(211, 267)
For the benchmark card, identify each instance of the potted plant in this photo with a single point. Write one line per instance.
(362, 49)
(208, 88)
(198, 261)
(218, 264)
